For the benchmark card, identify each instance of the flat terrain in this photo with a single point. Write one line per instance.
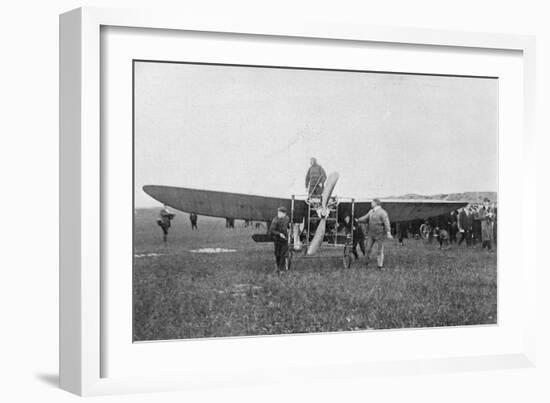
(183, 294)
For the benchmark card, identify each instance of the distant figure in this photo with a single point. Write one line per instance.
(443, 237)
(465, 226)
(487, 217)
(358, 235)
(403, 231)
(378, 230)
(453, 227)
(165, 222)
(279, 233)
(315, 179)
(230, 223)
(193, 219)
(476, 227)
(495, 225)
(426, 231)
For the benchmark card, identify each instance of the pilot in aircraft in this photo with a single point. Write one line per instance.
(165, 221)
(279, 233)
(315, 179)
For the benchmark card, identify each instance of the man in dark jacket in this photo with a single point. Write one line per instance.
(402, 229)
(193, 219)
(358, 235)
(315, 179)
(465, 224)
(476, 227)
(279, 233)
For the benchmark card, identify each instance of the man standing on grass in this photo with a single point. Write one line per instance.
(193, 219)
(486, 216)
(279, 233)
(165, 222)
(453, 226)
(378, 230)
(354, 229)
(476, 226)
(465, 226)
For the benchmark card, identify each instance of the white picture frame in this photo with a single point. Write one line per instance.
(82, 343)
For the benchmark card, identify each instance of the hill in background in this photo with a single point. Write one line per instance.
(472, 197)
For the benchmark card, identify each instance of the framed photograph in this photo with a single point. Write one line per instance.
(248, 202)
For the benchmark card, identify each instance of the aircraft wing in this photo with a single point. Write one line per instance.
(262, 208)
(223, 204)
(405, 210)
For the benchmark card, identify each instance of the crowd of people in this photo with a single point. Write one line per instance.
(472, 225)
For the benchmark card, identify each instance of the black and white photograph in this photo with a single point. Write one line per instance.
(304, 201)
(271, 200)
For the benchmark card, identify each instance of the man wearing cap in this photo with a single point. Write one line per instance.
(378, 230)
(315, 178)
(279, 233)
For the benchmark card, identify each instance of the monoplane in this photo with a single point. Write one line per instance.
(315, 220)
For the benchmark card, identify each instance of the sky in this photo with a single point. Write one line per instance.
(254, 129)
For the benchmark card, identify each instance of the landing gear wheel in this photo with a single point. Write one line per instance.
(347, 259)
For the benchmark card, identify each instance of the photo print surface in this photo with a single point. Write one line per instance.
(274, 200)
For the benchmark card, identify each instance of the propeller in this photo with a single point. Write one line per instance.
(323, 212)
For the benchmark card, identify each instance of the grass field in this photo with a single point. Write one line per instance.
(181, 294)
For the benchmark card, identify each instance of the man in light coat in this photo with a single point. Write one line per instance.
(165, 222)
(487, 218)
(378, 230)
